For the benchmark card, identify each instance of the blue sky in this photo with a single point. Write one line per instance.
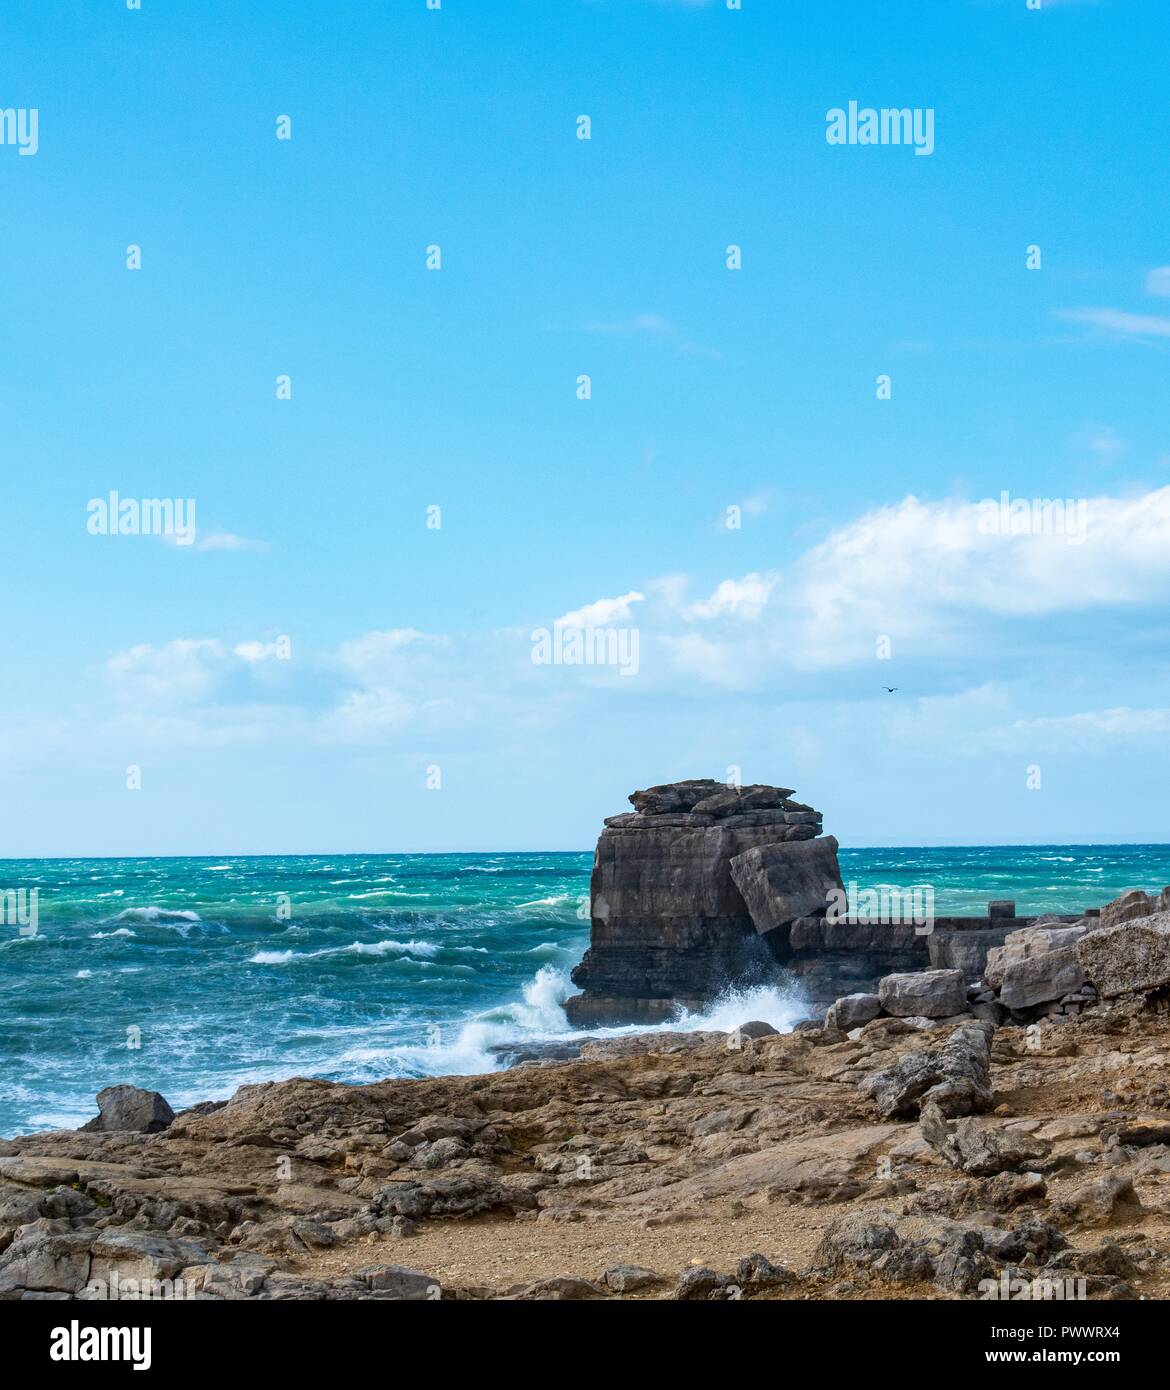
(411, 647)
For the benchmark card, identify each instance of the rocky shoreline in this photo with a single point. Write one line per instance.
(996, 1122)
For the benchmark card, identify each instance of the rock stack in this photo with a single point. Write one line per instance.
(689, 894)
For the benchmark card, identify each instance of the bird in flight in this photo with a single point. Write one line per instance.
(889, 688)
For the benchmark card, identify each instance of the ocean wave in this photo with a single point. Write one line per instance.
(157, 914)
(425, 949)
(105, 935)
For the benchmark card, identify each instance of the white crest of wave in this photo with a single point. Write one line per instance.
(539, 1015)
(425, 949)
(157, 914)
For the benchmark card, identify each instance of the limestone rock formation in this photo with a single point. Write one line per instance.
(670, 926)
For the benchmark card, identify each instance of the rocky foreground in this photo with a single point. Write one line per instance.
(907, 1159)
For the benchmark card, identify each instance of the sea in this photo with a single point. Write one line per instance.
(193, 976)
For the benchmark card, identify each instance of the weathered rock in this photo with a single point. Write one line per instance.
(755, 1028)
(670, 927)
(780, 882)
(1029, 943)
(463, 1196)
(853, 1011)
(1133, 905)
(1041, 978)
(927, 994)
(856, 1239)
(129, 1108)
(630, 1278)
(700, 1283)
(980, 1149)
(1127, 958)
(46, 1260)
(758, 1272)
(1111, 1198)
(954, 1076)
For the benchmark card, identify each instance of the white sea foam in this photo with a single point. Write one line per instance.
(424, 949)
(157, 914)
(539, 1016)
(103, 935)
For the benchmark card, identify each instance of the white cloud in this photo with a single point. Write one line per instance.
(1121, 722)
(740, 598)
(602, 613)
(1120, 323)
(180, 671)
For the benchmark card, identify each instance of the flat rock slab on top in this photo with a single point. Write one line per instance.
(707, 797)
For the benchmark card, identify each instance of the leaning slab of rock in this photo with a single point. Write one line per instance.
(954, 1076)
(1127, 958)
(129, 1108)
(924, 994)
(780, 882)
(979, 1149)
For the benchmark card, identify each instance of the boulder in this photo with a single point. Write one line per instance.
(1041, 978)
(129, 1108)
(1028, 942)
(924, 993)
(1106, 1200)
(1127, 958)
(630, 1278)
(853, 1011)
(955, 1077)
(757, 1271)
(755, 1028)
(979, 1149)
(780, 882)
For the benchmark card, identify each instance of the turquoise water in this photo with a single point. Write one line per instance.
(369, 965)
